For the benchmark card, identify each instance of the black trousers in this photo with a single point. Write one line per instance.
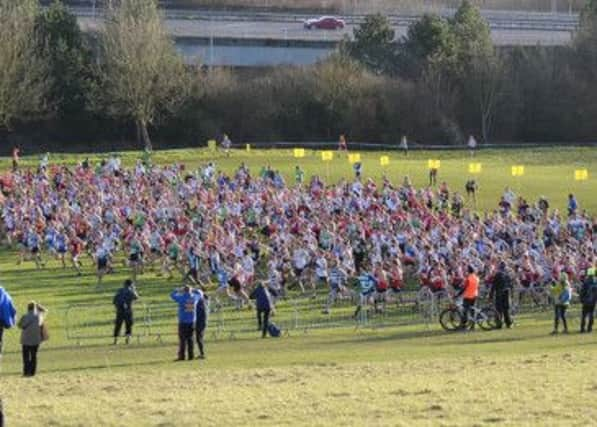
(125, 317)
(263, 321)
(30, 360)
(467, 304)
(199, 335)
(185, 340)
(1, 335)
(502, 306)
(587, 314)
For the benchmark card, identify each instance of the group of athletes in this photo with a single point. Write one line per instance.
(229, 231)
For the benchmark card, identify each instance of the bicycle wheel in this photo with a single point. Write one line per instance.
(450, 319)
(489, 319)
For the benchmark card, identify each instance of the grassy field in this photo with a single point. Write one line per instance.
(385, 6)
(408, 375)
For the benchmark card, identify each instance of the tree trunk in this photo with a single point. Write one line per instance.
(142, 129)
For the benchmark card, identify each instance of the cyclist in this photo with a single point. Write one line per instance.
(470, 292)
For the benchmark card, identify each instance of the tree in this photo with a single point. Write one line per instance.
(478, 67)
(429, 39)
(69, 59)
(472, 34)
(141, 75)
(24, 79)
(374, 44)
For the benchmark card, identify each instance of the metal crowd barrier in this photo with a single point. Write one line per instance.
(294, 314)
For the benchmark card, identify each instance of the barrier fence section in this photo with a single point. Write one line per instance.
(294, 314)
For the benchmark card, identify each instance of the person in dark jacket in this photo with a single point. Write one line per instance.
(8, 314)
(123, 301)
(588, 298)
(201, 311)
(187, 301)
(500, 293)
(265, 306)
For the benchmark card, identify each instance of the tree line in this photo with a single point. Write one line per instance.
(128, 87)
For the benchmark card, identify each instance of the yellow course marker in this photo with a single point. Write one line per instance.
(211, 144)
(518, 170)
(433, 164)
(384, 160)
(474, 168)
(581, 175)
(354, 157)
(299, 153)
(327, 156)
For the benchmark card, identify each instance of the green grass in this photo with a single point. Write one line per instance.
(408, 375)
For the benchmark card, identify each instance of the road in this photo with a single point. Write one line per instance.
(508, 28)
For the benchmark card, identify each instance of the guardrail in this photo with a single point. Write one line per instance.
(502, 20)
(297, 314)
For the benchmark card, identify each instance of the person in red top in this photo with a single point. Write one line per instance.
(470, 292)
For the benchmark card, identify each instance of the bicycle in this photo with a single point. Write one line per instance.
(452, 318)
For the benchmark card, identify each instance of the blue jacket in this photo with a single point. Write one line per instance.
(8, 312)
(187, 303)
(263, 299)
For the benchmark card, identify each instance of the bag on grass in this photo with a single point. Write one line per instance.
(274, 331)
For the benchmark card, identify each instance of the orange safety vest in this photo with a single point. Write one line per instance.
(471, 287)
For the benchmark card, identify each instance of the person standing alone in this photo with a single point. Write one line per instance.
(187, 301)
(123, 301)
(32, 335)
(265, 305)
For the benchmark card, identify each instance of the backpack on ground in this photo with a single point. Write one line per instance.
(274, 331)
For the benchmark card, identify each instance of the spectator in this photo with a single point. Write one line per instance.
(15, 158)
(32, 335)
(187, 303)
(588, 298)
(202, 311)
(500, 293)
(472, 145)
(8, 314)
(123, 301)
(342, 145)
(561, 294)
(265, 306)
(404, 145)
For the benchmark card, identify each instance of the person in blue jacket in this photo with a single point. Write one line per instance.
(187, 300)
(8, 314)
(264, 305)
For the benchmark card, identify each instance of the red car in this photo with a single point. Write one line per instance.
(324, 23)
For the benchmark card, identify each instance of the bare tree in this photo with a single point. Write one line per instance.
(141, 75)
(24, 81)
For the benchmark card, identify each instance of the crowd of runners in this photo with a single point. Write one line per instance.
(234, 230)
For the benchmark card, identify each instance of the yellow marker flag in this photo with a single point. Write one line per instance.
(433, 164)
(326, 156)
(581, 175)
(299, 153)
(474, 167)
(384, 160)
(248, 147)
(354, 157)
(211, 144)
(518, 170)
